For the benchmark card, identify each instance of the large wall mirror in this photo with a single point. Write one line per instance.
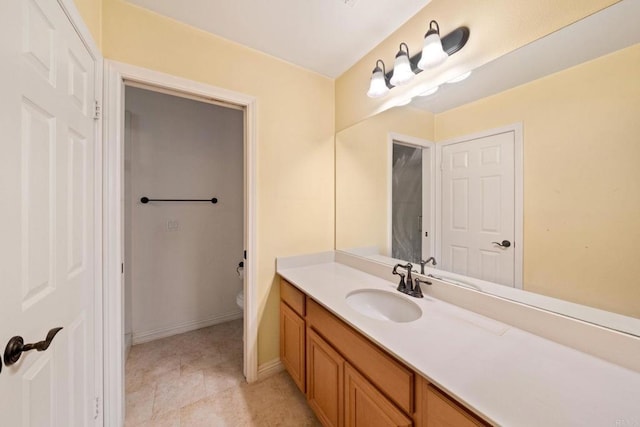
(569, 106)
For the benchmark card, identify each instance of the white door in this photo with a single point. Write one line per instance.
(478, 208)
(47, 195)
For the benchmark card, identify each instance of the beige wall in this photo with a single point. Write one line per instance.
(362, 166)
(497, 27)
(91, 11)
(295, 122)
(581, 177)
(295, 135)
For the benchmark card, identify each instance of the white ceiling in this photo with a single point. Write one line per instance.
(326, 36)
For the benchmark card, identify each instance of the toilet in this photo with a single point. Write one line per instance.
(240, 296)
(240, 299)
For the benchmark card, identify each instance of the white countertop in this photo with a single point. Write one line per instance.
(508, 376)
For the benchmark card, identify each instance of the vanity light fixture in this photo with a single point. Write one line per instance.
(435, 51)
(378, 86)
(402, 68)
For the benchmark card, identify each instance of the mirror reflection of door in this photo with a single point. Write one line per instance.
(410, 202)
(478, 208)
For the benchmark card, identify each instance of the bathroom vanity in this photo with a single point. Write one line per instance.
(367, 355)
(348, 379)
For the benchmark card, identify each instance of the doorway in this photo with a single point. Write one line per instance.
(411, 217)
(181, 249)
(118, 76)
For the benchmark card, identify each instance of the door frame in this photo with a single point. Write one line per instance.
(73, 15)
(116, 73)
(413, 142)
(518, 154)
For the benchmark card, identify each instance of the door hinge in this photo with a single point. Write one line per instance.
(122, 268)
(97, 412)
(96, 111)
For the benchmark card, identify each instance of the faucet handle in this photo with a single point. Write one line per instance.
(402, 286)
(417, 291)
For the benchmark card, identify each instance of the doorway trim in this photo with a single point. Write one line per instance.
(72, 13)
(116, 73)
(518, 157)
(412, 141)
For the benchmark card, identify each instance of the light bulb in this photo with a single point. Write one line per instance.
(432, 52)
(378, 85)
(429, 91)
(402, 72)
(460, 78)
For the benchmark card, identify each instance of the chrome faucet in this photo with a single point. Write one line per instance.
(427, 261)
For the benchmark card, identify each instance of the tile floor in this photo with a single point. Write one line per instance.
(195, 379)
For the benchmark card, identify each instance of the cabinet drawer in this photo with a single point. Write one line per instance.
(293, 297)
(389, 375)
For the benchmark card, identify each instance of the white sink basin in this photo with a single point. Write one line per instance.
(383, 305)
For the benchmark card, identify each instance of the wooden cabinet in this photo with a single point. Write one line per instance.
(349, 380)
(366, 406)
(385, 372)
(292, 333)
(325, 379)
(439, 410)
(292, 344)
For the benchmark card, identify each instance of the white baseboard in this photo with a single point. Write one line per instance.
(146, 336)
(128, 342)
(270, 368)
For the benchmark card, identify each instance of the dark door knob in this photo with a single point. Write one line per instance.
(16, 346)
(504, 244)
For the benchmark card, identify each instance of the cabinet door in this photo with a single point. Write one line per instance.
(365, 406)
(325, 373)
(292, 344)
(440, 411)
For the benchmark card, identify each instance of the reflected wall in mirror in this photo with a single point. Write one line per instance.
(581, 173)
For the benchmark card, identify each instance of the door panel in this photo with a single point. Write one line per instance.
(325, 380)
(292, 345)
(48, 192)
(365, 406)
(478, 207)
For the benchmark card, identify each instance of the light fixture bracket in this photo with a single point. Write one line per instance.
(451, 43)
